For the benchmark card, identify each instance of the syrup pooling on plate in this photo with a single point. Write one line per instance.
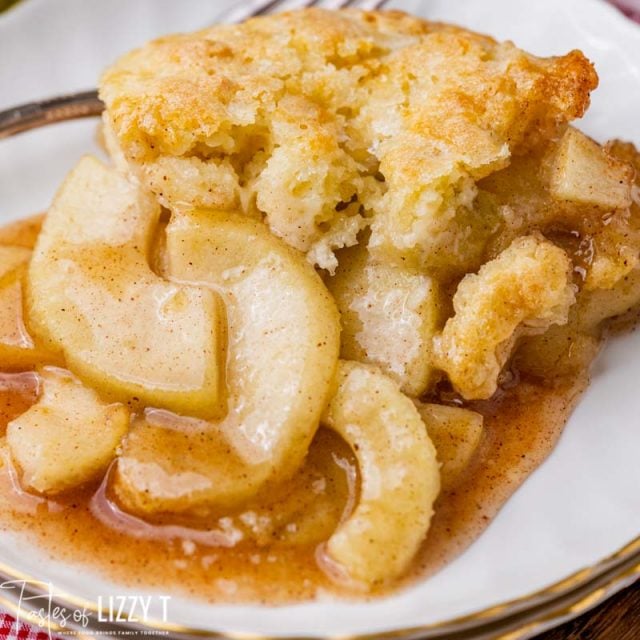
(259, 568)
(417, 185)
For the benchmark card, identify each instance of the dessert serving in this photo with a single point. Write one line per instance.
(329, 301)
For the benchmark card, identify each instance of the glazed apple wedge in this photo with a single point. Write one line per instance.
(122, 329)
(400, 477)
(282, 355)
(389, 316)
(456, 433)
(68, 437)
(17, 348)
(585, 173)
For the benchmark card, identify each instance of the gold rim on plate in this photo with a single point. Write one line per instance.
(516, 619)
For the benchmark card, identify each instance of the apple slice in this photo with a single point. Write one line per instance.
(68, 438)
(400, 477)
(17, 348)
(122, 329)
(284, 338)
(585, 173)
(389, 317)
(456, 434)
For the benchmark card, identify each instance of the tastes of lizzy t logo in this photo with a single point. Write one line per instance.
(36, 606)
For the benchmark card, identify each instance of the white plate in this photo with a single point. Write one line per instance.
(579, 506)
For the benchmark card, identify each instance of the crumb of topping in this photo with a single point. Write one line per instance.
(525, 290)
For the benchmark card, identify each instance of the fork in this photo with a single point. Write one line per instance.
(87, 103)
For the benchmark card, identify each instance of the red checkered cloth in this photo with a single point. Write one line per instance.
(630, 8)
(10, 629)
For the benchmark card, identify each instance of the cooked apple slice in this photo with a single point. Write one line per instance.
(306, 510)
(399, 473)
(584, 172)
(456, 433)
(569, 350)
(124, 330)
(596, 306)
(389, 317)
(17, 348)
(68, 437)
(283, 350)
(18, 392)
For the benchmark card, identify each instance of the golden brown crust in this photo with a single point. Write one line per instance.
(331, 102)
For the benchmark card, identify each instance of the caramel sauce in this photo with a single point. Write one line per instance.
(268, 551)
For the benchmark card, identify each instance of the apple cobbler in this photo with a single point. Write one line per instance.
(331, 299)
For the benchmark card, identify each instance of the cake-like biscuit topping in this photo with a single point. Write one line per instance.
(327, 122)
(208, 360)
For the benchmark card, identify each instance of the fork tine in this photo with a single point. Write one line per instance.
(261, 7)
(379, 4)
(289, 5)
(337, 4)
(366, 5)
(248, 10)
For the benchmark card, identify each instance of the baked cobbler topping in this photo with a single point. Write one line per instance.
(303, 316)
